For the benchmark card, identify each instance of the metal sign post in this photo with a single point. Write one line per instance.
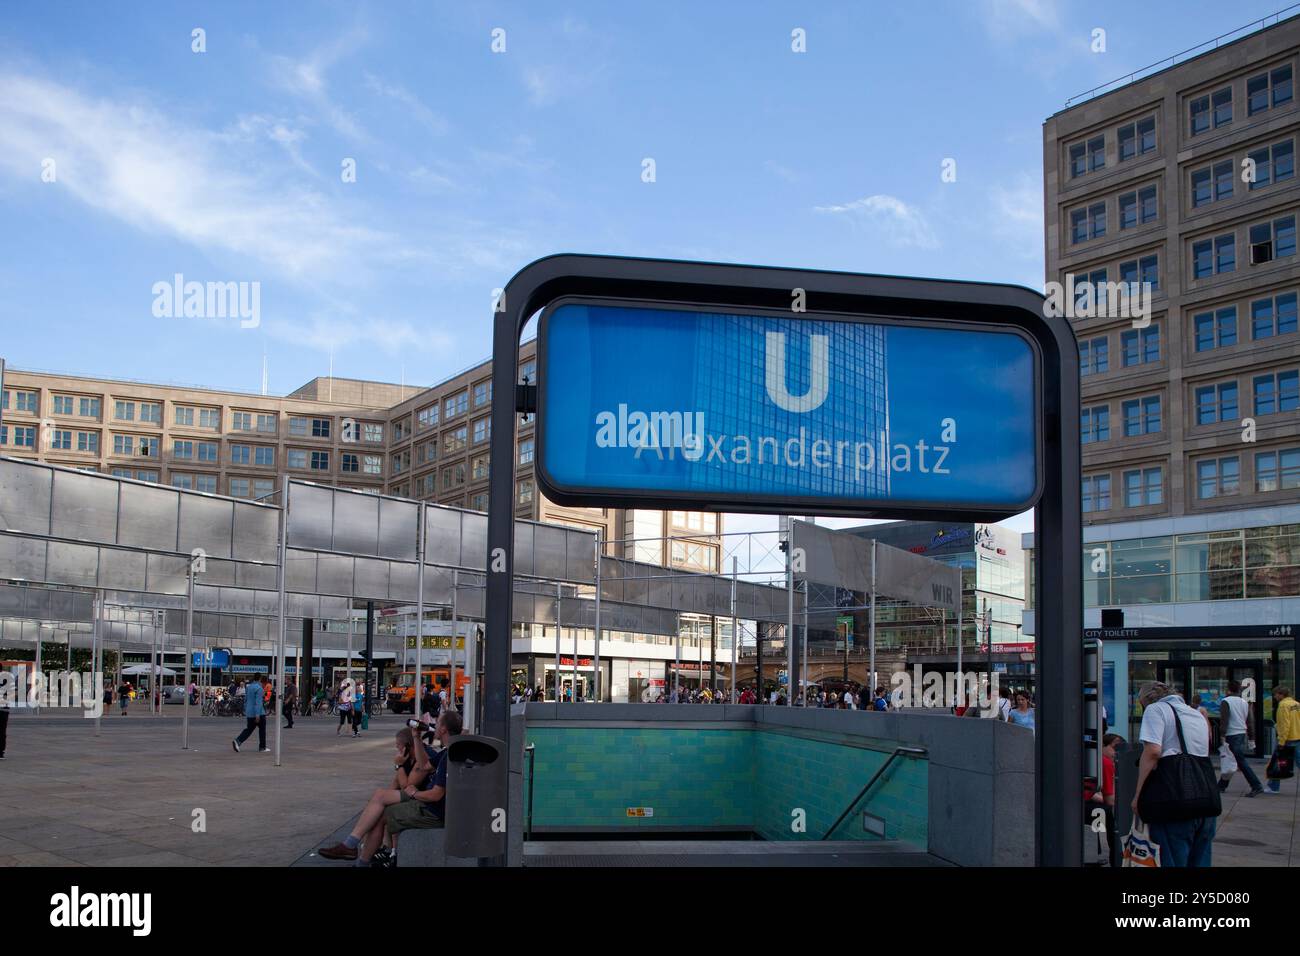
(664, 433)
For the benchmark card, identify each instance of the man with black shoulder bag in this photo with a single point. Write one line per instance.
(1177, 789)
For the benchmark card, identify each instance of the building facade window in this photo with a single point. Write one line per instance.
(1143, 487)
(526, 452)
(480, 468)
(482, 430)
(182, 450)
(1212, 184)
(1277, 392)
(1214, 256)
(1088, 156)
(1217, 477)
(1216, 403)
(239, 487)
(1088, 223)
(1138, 138)
(455, 440)
(124, 411)
(1093, 356)
(208, 451)
(299, 427)
(1272, 164)
(1215, 330)
(427, 417)
(1145, 270)
(88, 407)
(1096, 493)
(1269, 89)
(1094, 424)
(123, 444)
(482, 393)
(63, 404)
(320, 461)
(1140, 346)
(1141, 416)
(320, 428)
(297, 458)
(241, 454)
(373, 464)
(457, 404)
(351, 462)
(1272, 240)
(151, 412)
(88, 441)
(1277, 470)
(525, 491)
(1275, 315)
(241, 421)
(61, 439)
(1138, 207)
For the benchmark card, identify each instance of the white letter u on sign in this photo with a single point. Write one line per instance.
(820, 378)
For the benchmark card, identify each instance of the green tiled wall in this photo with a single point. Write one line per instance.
(736, 777)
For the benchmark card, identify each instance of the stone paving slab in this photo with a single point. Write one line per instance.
(126, 797)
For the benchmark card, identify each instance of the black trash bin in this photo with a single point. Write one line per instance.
(477, 798)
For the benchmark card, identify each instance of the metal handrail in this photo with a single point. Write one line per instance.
(531, 751)
(1174, 60)
(898, 751)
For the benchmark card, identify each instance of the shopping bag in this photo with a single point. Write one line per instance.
(1139, 848)
(1227, 762)
(1281, 766)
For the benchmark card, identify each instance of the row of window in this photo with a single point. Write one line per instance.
(1137, 347)
(1277, 470)
(1140, 486)
(1217, 255)
(1272, 393)
(1137, 207)
(1271, 316)
(1141, 416)
(1264, 167)
(1264, 91)
(1134, 139)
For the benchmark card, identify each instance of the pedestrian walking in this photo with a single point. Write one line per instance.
(290, 702)
(1238, 725)
(254, 715)
(1177, 796)
(124, 696)
(1286, 720)
(4, 719)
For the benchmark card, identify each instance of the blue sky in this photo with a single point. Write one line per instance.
(225, 165)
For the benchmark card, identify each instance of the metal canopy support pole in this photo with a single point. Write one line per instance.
(790, 677)
(960, 676)
(576, 630)
(558, 598)
(871, 626)
(99, 689)
(96, 640)
(677, 660)
(597, 695)
(155, 662)
(455, 626)
(419, 614)
(351, 627)
(189, 650)
(281, 623)
(803, 653)
(735, 630)
(370, 657)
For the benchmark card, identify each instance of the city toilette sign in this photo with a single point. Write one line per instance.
(691, 385)
(790, 412)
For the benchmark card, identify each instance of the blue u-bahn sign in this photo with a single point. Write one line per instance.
(743, 408)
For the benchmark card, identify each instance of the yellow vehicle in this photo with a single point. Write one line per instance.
(402, 692)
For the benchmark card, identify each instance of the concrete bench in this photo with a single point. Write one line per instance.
(427, 848)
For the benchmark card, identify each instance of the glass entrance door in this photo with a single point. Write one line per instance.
(1208, 680)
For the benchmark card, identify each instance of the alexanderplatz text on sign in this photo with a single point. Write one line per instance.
(684, 385)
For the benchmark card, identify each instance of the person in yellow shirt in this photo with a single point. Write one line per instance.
(1286, 720)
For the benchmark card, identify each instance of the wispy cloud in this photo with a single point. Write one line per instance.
(409, 102)
(1017, 215)
(1006, 18)
(896, 221)
(128, 161)
(307, 78)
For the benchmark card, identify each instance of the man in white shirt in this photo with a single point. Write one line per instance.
(1236, 720)
(1183, 843)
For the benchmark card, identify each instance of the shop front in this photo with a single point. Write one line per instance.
(1198, 663)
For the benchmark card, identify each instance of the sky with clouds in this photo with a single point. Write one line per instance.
(226, 165)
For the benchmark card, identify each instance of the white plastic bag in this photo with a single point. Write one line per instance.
(1139, 848)
(1227, 762)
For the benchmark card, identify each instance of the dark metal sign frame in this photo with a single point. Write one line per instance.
(781, 504)
(1058, 517)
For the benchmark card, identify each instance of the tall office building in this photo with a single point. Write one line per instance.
(1184, 178)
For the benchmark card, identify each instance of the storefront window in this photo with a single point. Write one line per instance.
(1140, 570)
